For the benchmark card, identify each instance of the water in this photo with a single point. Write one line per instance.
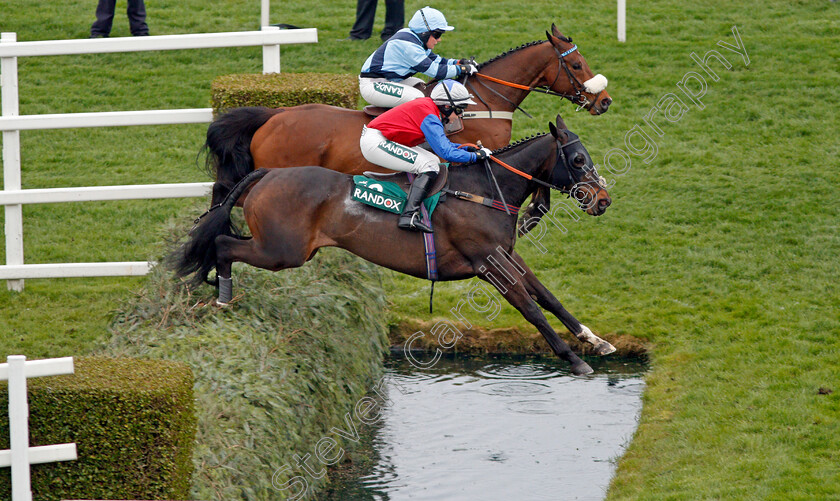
(498, 429)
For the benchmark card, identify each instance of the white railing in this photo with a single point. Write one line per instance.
(11, 123)
(20, 455)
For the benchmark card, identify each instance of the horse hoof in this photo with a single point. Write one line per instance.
(604, 348)
(582, 369)
(220, 304)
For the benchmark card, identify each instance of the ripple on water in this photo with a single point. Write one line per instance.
(515, 388)
(518, 371)
(477, 428)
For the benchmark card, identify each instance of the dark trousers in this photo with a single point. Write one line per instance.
(365, 13)
(105, 17)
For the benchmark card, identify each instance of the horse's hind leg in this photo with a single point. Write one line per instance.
(517, 296)
(546, 299)
(252, 251)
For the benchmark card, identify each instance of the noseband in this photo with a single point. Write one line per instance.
(578, 97)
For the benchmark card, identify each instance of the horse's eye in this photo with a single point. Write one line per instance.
(576, 66)
(579, 160)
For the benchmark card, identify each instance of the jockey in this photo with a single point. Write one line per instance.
(390, 140)
(387, 77)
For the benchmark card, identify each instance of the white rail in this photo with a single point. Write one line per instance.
(11, 123)
(17, 370)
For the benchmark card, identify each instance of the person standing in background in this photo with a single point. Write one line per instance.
(365, 14)
(101, 28)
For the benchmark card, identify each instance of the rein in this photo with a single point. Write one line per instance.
(576, 98)
(528, 176)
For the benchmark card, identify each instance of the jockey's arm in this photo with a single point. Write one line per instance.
(432, 128)
(428, 64)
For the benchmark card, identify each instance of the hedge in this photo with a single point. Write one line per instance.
(275, 370)
(274, 90)
(133, 422)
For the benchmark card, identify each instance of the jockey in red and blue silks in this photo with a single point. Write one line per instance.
(387, 76)
(391, 139)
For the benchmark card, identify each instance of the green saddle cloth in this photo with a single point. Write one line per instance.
(386, 195)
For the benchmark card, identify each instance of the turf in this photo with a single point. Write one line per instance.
(721, 251)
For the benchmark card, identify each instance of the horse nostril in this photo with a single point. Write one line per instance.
(606, 103)
(605, 202)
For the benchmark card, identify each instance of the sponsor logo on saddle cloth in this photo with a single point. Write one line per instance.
(385, 195)
(388, 89)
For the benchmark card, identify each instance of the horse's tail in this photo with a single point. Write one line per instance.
(198, 254)
(228, 146)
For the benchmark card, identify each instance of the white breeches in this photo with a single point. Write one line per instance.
(388, 94)
(380, 151)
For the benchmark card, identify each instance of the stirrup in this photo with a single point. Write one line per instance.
(414, 223)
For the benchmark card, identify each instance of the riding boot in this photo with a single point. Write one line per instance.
(411, 219)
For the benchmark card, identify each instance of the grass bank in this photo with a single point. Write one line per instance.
(720, 251)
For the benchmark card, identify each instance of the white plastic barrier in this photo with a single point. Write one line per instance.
(11, 123)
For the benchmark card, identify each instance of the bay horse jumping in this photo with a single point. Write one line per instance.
(315, 134)
(293, 212)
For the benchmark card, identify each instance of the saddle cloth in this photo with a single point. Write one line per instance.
(387, 195)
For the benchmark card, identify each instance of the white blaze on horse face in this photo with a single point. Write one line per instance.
(595, 84)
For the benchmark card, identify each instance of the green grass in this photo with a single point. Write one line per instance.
(722, 251)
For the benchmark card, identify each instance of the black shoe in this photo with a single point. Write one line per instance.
(97, 35)
(410, 219)
(140, 34)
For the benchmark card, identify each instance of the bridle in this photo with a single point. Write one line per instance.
(554, 184)
(598, 183)
(577, 98)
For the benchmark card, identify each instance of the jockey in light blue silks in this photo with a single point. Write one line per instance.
(387, 77)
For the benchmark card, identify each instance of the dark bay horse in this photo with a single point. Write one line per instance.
(291, 213)
(314, 134)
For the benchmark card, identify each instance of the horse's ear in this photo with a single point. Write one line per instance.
(552, 129)
(560, 123)
(559, 35)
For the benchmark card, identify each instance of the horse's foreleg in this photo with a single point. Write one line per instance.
(546, 299)
(517, 296)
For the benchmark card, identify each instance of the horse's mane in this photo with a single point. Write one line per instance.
(519, 142)
(511, 51)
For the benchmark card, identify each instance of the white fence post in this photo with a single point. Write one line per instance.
(20, 456)
(264, 7)
(11, 160)
(622, 32)
(271, 54)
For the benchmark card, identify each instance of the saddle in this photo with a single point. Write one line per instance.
(401, 179)
(453, 126)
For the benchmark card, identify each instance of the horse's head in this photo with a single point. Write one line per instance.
(575, 173)
(573, 77)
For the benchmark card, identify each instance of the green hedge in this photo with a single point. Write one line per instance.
(275, 371)
(284, 89)
(133, 422)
